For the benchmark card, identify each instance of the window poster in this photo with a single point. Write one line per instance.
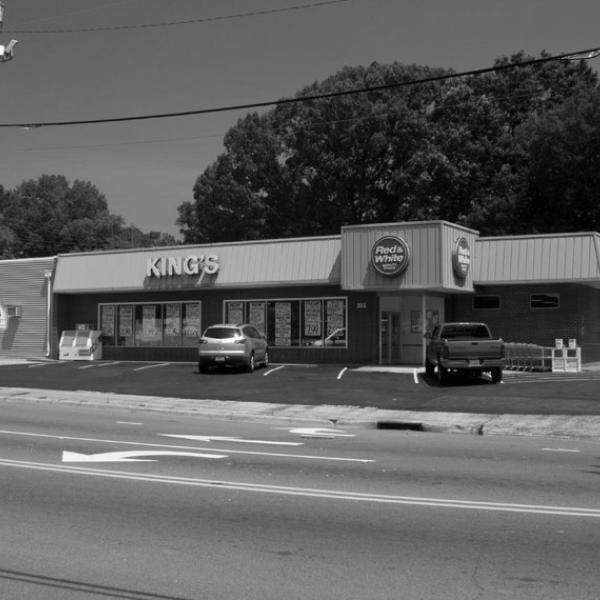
(191, 321)
(125, 321)
(235, 312)
(415, 321)
(312, 318)
(283, 324)
(150, 330)
(108, 320)
(432, 319)
(257, 315)
(172, 320)
(335, 315)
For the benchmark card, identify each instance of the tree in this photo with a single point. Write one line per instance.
(459, 150)
(563, 192)
(48, 215)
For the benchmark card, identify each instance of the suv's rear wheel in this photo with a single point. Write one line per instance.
(496, 375)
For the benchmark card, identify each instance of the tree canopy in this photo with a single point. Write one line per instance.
(512, 151)
(48, 216)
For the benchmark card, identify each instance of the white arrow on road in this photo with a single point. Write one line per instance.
(216, 438)
(320, 432)
(130, 456)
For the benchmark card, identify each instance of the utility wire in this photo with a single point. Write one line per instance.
(253, 105)
(359, 119)
(255, 13)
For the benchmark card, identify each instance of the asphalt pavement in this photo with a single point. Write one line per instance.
(573, 413)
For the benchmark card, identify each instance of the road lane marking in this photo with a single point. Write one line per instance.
(539, 509)
(210, 438)
(320, 432)
(561, 450)
(176, 447)
(130, 456)
(273, 370)
(128, 423)
(152, 366)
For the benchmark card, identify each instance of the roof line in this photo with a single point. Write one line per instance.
(189, 247)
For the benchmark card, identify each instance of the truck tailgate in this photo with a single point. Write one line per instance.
(473, 349)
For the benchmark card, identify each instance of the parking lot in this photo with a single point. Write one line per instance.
(393, 388)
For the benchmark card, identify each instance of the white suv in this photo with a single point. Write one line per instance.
(234, 345)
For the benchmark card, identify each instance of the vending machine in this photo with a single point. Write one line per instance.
(80, 344)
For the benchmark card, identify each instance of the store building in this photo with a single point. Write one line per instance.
(364, 296)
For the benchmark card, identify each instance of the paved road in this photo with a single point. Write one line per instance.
(264, 511)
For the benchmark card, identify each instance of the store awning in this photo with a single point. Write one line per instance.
(558, 258)
(301, 261)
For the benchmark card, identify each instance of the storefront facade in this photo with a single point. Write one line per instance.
(365, 296)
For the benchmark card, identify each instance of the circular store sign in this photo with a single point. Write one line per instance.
(390, 256)
(461, 257)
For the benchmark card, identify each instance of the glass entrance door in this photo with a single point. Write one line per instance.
(390, 337)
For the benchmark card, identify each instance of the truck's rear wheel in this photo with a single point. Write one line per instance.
(429, 368)
(442, 374)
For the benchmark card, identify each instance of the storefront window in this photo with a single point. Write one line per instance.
(107, 324)
(173, 324)
(148, 325)
(126, 325)
(318, 322)
(544, 301)
(192, 324)
(486, 302)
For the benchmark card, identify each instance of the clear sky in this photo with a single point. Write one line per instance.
(146, 169)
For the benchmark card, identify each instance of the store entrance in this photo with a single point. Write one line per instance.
(403, 319)
(390, 338)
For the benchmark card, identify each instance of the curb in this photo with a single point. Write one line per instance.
(563, 426)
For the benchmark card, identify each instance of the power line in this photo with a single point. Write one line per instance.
(309, 98)
(307, 123)
(255, 13)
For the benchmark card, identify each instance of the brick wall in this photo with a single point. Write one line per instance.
(578, 315)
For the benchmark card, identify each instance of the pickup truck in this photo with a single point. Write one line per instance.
(465, 348)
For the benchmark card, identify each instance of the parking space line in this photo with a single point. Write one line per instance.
(87, 366)
(152, 366)
(108, 364)
(341, 373)
(36, 365)
(416, 376)
(273, 370)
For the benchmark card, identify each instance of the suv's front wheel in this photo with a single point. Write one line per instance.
(250, 366)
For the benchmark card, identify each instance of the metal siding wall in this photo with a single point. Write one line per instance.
(22, 283)
(537, 258)
(241, 264)
(430, 266)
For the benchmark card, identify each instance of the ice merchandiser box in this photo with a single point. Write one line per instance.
(84, 344)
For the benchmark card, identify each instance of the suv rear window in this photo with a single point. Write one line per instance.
(222, 333)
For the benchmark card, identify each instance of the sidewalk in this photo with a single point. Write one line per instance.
(326, 416)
